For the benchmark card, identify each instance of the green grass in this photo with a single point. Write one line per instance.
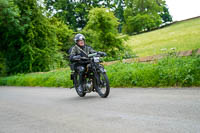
(168, 72)
(57, 78)
(181, 35)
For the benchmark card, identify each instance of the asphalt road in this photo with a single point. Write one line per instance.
(126, 110)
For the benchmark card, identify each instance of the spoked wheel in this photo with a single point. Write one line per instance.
(76, 85)
(102, 87)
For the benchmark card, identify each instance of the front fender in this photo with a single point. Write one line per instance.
(102, 70)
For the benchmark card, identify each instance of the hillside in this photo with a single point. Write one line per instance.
(182, 36)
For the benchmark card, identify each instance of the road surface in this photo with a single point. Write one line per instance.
(126, 110)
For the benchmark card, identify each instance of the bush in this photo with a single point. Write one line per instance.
(171, 71)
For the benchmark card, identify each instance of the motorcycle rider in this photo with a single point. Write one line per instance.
(80, 49)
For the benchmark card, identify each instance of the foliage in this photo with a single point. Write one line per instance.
(29, 40)
(125, 53)
(168, 72)
(2, 65)
(11, 33)
(64, 36)
(119, 12)
(101, 31)
(140, 23)
(166, 17)
(72, 12)
(142, 15)
(75, 12)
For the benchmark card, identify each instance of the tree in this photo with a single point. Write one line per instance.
(101, 31)
(142, 15)
(64, 35)
(117, 6)
(29, 40)
(2, 65)
(75, 12)
(72, 12)
(11, 34)
(119, 12)
(166, 17)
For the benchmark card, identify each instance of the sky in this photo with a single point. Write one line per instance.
(183, 9)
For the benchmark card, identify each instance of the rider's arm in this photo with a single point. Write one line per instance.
(91, 50)
(73, 54)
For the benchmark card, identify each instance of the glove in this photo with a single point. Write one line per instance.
(102, 53)
(77, 57)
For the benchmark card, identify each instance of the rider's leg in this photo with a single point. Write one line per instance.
(81, 70)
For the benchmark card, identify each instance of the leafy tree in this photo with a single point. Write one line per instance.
(72, 12)
(2, 65)
(117, 6)
(75, 12)
(166, 17)
(141, 15)
(140, 23)
(119, 12)
(101, 31)
(29, 40)
(11, 34)
(64, 34)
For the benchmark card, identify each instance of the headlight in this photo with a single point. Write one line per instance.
(96, 59)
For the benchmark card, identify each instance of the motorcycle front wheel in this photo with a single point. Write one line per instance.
(102, 85)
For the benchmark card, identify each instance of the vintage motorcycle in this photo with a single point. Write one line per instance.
(94, 78)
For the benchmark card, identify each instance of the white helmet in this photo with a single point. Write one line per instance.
(79, 37)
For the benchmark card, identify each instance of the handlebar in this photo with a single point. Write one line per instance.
(91, 55)
(98, 54)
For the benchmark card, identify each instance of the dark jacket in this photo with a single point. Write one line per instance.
(82, 51)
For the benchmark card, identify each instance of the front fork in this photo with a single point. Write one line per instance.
(97, 75)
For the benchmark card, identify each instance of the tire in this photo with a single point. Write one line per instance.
(76, 84)
(104, 82)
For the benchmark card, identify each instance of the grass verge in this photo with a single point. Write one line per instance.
(168, 72)
(57, 78)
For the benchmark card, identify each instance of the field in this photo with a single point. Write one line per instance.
(179, 36)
